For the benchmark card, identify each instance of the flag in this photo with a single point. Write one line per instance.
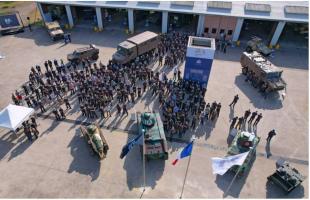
(187, 151)
(221, 165)
(130, 145)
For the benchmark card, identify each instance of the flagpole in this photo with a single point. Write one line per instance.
(143, 152)
(189, 160)
(233, 180)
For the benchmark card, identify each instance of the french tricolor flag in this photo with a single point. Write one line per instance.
(187, 151)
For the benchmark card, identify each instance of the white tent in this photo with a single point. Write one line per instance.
(13, 116)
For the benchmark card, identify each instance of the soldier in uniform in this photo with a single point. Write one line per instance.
(259, 117)
(235, 100)
(270, 135)
(252, 117)
(232, 125)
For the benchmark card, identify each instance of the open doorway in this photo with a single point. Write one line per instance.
(114, 18)
(182, 22)
(84, 16)
(147, 21)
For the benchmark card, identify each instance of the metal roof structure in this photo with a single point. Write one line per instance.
(142, 37)
(280, 10)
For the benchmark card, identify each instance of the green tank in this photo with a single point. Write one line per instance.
(95, 139)
(243, 142)
(155, 144)
(286, 177)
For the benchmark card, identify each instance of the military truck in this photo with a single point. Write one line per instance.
(262, 72)
(94, 137)
(90, 52)
(286, 177)
(243, 142)
(136, 46)
(155, 143)
(256, 44)
(54, 30)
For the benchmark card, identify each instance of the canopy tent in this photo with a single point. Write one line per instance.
(13, 116)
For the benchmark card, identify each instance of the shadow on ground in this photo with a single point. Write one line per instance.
(41, 37)
(272, 102)
(275, 192)
(223, 181)
(84, 160)
(134, 169)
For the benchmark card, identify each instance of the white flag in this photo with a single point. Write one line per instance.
(221, 165)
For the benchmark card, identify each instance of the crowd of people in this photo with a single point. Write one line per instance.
(100, 88)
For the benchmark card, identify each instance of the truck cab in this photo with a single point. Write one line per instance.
(126, 51)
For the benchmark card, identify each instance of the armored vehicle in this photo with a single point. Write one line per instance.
(286, 177)
(155, 144)
(95, 139)
(135, 46)
(262, 72)
(243, 142)
(256, 44)
(54, 30)
(90, 52)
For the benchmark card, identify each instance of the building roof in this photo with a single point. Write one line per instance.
(277, 12)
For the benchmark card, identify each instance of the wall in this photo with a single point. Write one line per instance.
(219, 22)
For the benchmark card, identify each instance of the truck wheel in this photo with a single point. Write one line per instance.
(244, 70)
(248, 49)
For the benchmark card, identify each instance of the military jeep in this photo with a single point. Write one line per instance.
(256, 44)
(90, 52)
(54, 30)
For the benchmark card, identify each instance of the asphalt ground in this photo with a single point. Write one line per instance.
(60, 164)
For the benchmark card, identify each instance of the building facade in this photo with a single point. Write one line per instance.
(238, 20)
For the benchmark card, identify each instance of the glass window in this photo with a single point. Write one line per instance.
(222, 31)
(213, 30)
(206, 30)
(229, 32)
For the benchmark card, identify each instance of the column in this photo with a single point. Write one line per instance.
(201, 25)
(99, 18)
(164, 22)
(277, 33)
(130, 20)
(237, 29)
(69, 14)
(41, 11)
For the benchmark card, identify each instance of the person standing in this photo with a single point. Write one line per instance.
(207, 111)
(218, 109)
(66, 100)
(62, 113)
(247, 114)
(119, 109)
(259, 117)
(125, 110)
(270, 135)
(235, 100)
(252, 117)
(55, 112)
(240, 122)
(232, 125)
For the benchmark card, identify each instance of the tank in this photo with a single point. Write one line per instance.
(263, 73)
(91, 52)
(155, 143)
(243, 142)
(256, 44)
(95, 139)
(54, 30)
(286, 177)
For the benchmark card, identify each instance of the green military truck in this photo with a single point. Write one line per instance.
(136, 46)
(155, 143)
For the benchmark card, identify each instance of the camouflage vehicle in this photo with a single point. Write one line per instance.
(155, 144)
(135, 46)
(243, 142)
(287, 177)
(95, 139)
(54, 30)
(256, 44)
(90, 52)
(262, 72)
